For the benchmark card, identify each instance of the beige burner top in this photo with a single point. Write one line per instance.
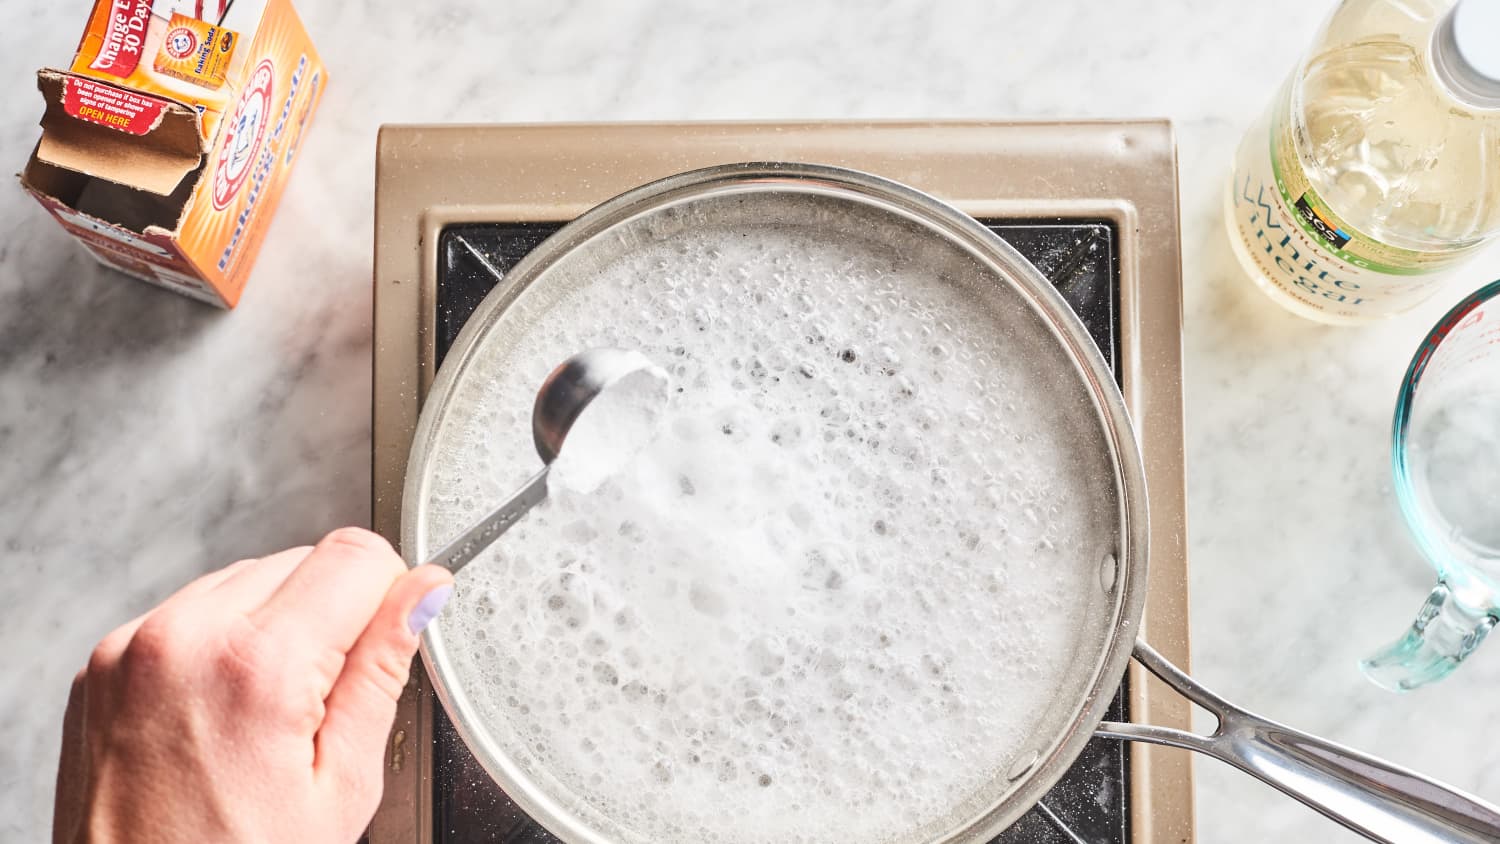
(1123, 172)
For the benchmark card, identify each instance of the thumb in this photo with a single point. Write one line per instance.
(361, 707)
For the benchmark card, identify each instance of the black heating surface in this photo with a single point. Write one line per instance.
(1088, 806)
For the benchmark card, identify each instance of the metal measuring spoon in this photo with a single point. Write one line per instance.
(562, 398)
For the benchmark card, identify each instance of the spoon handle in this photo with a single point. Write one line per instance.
(458, 553)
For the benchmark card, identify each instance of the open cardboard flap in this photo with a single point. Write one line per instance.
(155, 162)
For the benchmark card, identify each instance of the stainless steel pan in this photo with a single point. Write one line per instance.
(1382, 801)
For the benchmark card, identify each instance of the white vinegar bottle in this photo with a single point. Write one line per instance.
(1377, 166)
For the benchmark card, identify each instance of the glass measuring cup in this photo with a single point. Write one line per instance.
(1446, 460)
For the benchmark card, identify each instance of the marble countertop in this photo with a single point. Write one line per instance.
(145, 439)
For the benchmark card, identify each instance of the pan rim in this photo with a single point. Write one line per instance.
(1108, 663)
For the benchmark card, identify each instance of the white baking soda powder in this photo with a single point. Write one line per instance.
(833, 597)
(612, 429)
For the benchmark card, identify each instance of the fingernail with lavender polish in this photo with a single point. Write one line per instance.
(428, 608)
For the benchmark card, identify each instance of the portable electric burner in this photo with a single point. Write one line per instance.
(1092, 205)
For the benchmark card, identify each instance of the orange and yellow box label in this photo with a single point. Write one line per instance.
(195, 51)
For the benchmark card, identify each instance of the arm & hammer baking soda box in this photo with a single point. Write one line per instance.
(166, 144)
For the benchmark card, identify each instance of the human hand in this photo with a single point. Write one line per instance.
(252, 705)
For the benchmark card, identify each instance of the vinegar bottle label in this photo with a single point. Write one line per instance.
(1300, 251)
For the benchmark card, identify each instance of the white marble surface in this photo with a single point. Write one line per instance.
(145, 439)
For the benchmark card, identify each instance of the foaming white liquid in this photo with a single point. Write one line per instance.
(834, 597)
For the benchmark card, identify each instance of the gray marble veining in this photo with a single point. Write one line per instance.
(145, 439)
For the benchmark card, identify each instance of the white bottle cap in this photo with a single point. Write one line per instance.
(1466, 52)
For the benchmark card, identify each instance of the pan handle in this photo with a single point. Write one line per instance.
(1379, 800)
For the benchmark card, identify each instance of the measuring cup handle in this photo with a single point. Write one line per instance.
(1377, 799)
(1445, 632)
